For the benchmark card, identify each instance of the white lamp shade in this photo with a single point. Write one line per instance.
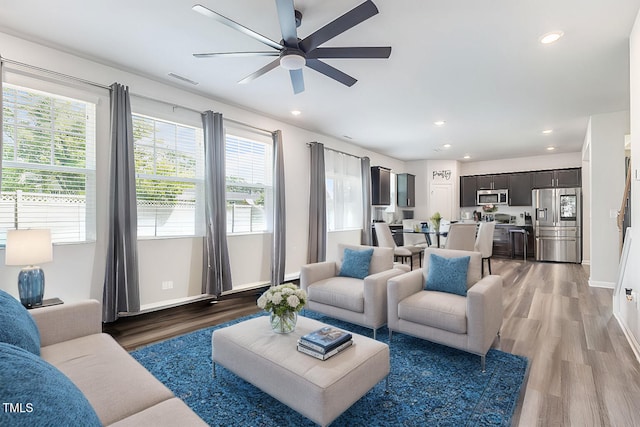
(28, 247)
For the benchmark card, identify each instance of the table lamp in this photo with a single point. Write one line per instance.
(29, 247)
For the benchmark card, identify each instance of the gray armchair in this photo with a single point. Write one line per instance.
(468, 323)
(363, 302)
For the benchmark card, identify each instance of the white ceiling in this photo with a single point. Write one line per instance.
(476, 64)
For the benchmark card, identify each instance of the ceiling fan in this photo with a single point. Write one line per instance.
(293, 53)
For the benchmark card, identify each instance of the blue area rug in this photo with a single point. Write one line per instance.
(429, 384)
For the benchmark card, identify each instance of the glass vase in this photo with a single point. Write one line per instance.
(284, 324)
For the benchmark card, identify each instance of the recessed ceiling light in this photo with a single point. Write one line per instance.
(439, 123)
(547, 131)
(447, 145)
(551, 148)
(467, 157)
(551, 37)
(296, 112)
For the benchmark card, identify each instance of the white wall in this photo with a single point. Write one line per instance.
(425, 176)
(586, 198)
(522, 164)
(77, 271)
(629, 312)
(606, 181)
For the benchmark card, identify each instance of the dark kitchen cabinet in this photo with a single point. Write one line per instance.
(567, 178)
(468, 191)
(492, 182)
(559, 178)
(380, 186)
(406, 190)
(520, 189)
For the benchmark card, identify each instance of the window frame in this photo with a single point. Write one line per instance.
(198, 181)
(58, 92)
(267, 187)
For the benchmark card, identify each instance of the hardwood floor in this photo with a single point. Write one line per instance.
(137, 331)
(582, 370)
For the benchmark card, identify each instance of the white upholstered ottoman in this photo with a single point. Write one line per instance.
(319, 390)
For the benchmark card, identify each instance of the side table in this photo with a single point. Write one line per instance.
(47, 303)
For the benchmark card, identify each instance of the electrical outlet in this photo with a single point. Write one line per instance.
(167, 284)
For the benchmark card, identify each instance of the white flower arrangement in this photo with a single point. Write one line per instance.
(283, 299)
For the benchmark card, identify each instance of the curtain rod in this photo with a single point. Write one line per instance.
(270, 132)
(101, 86)
(336, 151)
(55, 73)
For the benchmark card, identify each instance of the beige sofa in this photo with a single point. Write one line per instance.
(121, 391)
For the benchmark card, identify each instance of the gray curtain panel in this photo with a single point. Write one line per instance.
(365, 168)
(121, 293)
(278, 251)
(317, 250)
(216, 275)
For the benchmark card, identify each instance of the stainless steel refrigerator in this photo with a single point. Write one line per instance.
(558, 224)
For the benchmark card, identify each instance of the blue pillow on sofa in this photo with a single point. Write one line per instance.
(356, 263)
(17, 327)
(38, 393)
(448, 274)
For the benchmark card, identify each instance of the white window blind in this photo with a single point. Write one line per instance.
(249, 175)
(169, 162)
(48, 164)
(344, 191)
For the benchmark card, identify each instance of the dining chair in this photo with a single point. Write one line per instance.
(385, 239)
(461, 237)
(484, 243)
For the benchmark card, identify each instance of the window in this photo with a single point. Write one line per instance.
(48, 164)
(169, 162)
(249, 174)
(343, 179)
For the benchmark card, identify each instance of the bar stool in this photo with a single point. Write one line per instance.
(525, 238)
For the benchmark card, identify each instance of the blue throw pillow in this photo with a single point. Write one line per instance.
(448, 274)
(34, 393)
(17, 327)
(356, 263)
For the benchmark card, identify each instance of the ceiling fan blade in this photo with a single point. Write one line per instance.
(350, 19)
(234, 54)
(287, 18)
(330, 71)
(350, 52)
(238, 27)
(297, 81)
(264, 70)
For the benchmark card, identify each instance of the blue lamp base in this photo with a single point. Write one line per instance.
(31, 286)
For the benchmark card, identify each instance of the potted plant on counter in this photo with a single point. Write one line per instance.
(435, 220)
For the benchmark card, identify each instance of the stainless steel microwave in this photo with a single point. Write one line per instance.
(492, 197)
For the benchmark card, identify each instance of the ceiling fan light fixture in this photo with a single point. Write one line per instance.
(292, 61)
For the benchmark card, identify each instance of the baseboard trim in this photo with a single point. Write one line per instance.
(601, 284)
(586, 262)
(635, 346)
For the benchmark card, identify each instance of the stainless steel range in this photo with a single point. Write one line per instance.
(558, 224)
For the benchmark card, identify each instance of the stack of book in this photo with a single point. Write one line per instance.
(325, 342)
